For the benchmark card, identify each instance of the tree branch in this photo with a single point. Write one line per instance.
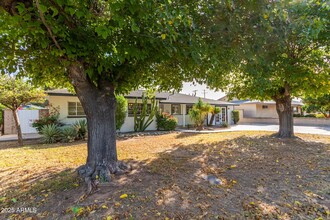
(48, 28)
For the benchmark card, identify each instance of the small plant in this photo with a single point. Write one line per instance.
(235, 115)
(68, 134)
(166, 121)
(145, 116)
(81, 129)
(51, 118)
(199, 112)
(50, 133)
(320, 115)
(224, 125)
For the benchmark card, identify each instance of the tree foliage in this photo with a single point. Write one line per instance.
(280, 50)
(319, 104)
(15, 92)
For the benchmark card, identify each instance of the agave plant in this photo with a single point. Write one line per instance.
(50, 133)
(68, 134)
(81, 129)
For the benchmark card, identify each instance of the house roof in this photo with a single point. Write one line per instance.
(164, 97)
(240, 102)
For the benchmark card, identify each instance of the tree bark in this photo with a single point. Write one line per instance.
(99, 104)
(18, 127)
(285, 113)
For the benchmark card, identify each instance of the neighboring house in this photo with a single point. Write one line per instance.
(176, 104)
(261, 109)
(27, 115)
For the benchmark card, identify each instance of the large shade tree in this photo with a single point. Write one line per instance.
(102, 48)
(282, 52)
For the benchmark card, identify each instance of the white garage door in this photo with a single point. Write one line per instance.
(27, 117)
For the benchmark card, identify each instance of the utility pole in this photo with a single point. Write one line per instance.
(204, 91)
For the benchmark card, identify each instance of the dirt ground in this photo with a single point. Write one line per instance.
(261, 178)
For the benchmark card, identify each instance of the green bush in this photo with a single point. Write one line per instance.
(121, 111)
(50, 133)
(81, 129)
(199, 112)
(51, 118)
(166, 121)
(224, 125)
(68, 134)
(235, 115)
(320, 115)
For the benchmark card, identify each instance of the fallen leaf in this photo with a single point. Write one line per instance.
(123, 196)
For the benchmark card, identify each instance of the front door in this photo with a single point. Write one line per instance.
(221, 117)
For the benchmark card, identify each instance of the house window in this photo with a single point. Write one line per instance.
(161, 108)
(75, 109)
(295, 109)
(188, 107)
(223, 114)
(264, 106)
(176, 109)
(139, 109)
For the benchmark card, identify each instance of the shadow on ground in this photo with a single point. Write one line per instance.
(262, 177)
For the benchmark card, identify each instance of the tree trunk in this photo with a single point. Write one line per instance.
(212, 119)
(18, 127)
(285, 113)
(99, 104)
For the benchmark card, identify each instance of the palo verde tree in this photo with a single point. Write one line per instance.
(281, 52)
(15, 92)
(102, 48)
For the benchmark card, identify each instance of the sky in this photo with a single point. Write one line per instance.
(188, 88)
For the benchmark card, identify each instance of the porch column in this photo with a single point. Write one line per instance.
(183, 109)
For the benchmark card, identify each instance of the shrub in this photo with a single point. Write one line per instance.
(51, 118)
(50, 133)
(121, 111)
(81, 129)
(199, 112)
(320, 115)
(166, 121)
(235, 115)
(224, 125)
(68, 134)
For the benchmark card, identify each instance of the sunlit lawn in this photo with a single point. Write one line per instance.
(261, 176)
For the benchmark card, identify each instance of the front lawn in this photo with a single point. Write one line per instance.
(261, 178)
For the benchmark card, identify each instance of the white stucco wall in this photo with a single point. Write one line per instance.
(61, 102)
(229, 116)
(269, 112)
(249, 110)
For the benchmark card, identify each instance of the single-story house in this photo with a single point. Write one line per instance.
(176, 104)
(261, 109)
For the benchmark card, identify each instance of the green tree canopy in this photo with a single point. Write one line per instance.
(319, 104)
(281, 52)
(15, 92)
(102, 48)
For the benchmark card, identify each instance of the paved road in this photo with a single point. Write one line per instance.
(324, 130)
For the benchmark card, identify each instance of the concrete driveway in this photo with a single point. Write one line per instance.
(324, 130)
